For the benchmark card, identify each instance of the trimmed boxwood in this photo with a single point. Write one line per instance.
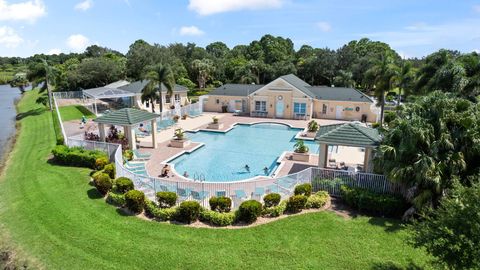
(303, 189)
(296, 203)
(166, 199)
(135, 200)
(373, 203)
(275, 211)
(272, 199)
(220, 204)
(116, 199)
(216, 218)
(188, 212)
(102, 182)
(249, 211)
(110, 170)
(318, 199)
(161, 214)
(100, 163)
(76, 156)
(124, 184)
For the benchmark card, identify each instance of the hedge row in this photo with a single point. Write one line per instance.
(373, 203)
(77, 156)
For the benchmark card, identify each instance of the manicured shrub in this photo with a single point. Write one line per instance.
(374, 203)
(272, 199)
(116, 199)
(101, 162)
(135, 200)
(220, 204)
(110, 170)
(275, 211)
(188, 211)
(216, 218)
(249, 211)
(76, 156)
(317, 200)
(161, 214)
(128, 155)
(166, 199)
(303, 189)
(102, 182)
(296, 203)
(124, 184)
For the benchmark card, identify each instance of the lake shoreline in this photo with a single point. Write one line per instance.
(10, 142)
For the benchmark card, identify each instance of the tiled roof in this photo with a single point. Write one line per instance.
(299, 84)
(126, 117)
(231, 89)
(339, 94)
(349, 134)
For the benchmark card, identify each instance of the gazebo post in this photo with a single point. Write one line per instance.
(154, 133)
(322, 155)
(101, 131)
(130, 134)
(95, 105)
(367, 160)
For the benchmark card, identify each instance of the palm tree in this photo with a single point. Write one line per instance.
(382, 73)
(344, 78)
(403, 78)
(158, 77)
(43, 72)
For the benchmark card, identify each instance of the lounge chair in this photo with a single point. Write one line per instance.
(258, 193)
(221, 193)
(183, 193)
(129, 164)
(240, 193)
(199, 195)
(272, 188)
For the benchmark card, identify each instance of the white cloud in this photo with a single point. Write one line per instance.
(190, 31)
(9, 38)
(28, 11)
(83, 6)
(209, 7)
(78, 42)
(54, 51)
(324, 26)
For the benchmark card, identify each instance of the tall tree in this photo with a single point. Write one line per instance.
(203, 69)
(381, 74)
(158, 76)
(403, 79)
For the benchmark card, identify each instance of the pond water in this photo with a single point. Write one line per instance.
(8, 95)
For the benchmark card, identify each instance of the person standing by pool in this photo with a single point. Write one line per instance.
(247, 168)
(265, 170)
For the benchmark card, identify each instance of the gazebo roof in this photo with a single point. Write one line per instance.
(349, 134)
(107, 92)
(126, 117)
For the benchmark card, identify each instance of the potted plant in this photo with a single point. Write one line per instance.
(215, 124)
(312, 128)
(179, 139)
(300, 152)
(184, 117)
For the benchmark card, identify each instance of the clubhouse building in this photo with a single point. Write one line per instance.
(289, 97)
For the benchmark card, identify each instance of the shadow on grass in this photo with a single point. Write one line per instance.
(125, 212)
(84, 111)
(94, 194)
(389, 224)
(33, 112)
(393, 266)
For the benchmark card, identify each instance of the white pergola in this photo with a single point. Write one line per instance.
(105, 93)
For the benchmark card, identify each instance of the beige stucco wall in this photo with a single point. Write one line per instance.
(215, 103)
(289, 95)
(348, 111)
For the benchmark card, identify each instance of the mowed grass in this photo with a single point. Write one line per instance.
(75, 112)
(55, 217)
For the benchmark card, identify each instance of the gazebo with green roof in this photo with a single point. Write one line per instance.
(348, 134)
(128, 118)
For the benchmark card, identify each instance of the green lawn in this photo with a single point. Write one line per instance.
(74, 112)
(58, 220)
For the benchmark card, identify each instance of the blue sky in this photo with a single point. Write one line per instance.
(412, 27)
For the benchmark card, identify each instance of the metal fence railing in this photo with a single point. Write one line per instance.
(68, 94)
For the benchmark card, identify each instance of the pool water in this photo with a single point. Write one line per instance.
(224, 156)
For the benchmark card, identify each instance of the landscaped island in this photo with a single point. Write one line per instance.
(58, 220)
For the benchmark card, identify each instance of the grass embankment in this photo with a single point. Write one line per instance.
(54, 216)
(75, 112)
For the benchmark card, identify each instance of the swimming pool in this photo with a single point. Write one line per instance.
(224, 155)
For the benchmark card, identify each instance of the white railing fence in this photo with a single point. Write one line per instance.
(68, 94)
(59, 116)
